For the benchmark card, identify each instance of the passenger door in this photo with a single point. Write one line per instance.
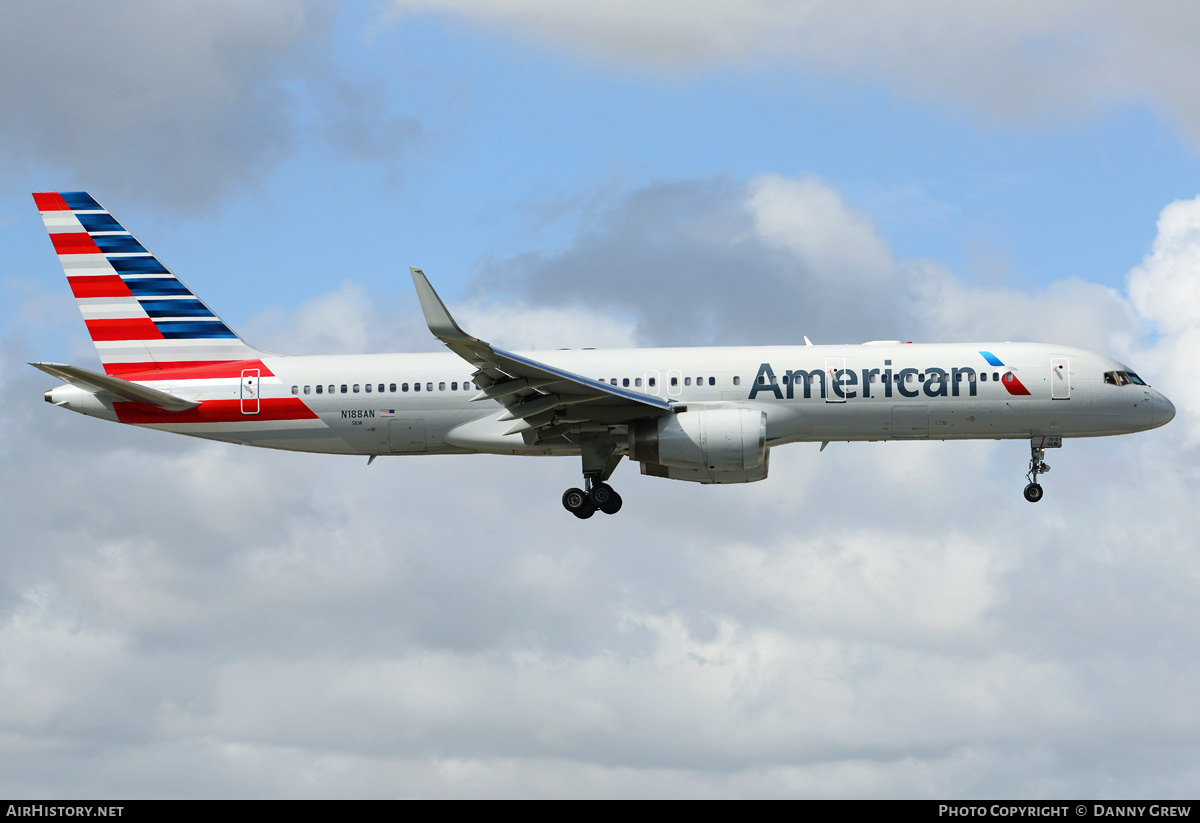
(1060, 378)
(251, 403)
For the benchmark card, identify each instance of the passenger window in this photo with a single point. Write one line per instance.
(308, 389)
(403, 387)
(1008, 377)
(331, 389)
(674, 381)
(872, 378)
(712, 381)
(429, 387)
(391, 388)
(416, 386)
(442, 386)
(637, 381)
(625, 382)
(737, 381)
(454, 385)
(651, 382)
(762, 380)
(343, 388)
(612, 381)
(355, 388)
(368, 388)
(381, 388)
(320, 389)
(687, 381)
(295, 389)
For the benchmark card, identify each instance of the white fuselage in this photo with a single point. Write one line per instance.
(883, 391)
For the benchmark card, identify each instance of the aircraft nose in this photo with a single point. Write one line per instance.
(1164, 410)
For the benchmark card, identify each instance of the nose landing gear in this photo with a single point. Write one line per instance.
(1037, 465)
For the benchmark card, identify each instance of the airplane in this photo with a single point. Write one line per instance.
(704, 415)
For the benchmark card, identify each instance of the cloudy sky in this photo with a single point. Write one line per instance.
(180, 618)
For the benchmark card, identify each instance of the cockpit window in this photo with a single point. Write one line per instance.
(1123, 378)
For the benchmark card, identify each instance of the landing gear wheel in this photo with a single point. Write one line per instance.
(612, 505)
(577, 503)
(601, 493)
(1038, 465)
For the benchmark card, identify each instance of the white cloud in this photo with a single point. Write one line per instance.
(787, 257)
(181, 103)
(172, 100)
(1165, 290)
(535, 327)
(809, 220)
(1012, 60)
(873, 620)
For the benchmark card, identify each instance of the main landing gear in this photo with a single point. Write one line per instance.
(600, 459)
(1037, 454)
(583, 504)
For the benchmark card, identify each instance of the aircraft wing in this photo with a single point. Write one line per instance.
(116, 387)
(544, 401)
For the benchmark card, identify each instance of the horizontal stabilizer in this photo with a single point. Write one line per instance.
(122, 389)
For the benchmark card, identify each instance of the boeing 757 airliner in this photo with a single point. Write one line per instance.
(707, 415)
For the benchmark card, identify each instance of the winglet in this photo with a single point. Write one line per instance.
(436, 314)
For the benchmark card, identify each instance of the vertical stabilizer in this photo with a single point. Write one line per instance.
(141, 316)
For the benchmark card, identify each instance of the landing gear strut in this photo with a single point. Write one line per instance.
(1037, 454)
(600, 459)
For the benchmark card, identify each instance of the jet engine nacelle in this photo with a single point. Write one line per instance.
(704, 446)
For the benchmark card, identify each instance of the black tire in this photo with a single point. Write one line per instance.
(575, 499)
(601, 493)
(1033, 492)
(612, 505)
(578, 503)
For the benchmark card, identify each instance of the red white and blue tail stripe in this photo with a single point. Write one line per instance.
(141, 316)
